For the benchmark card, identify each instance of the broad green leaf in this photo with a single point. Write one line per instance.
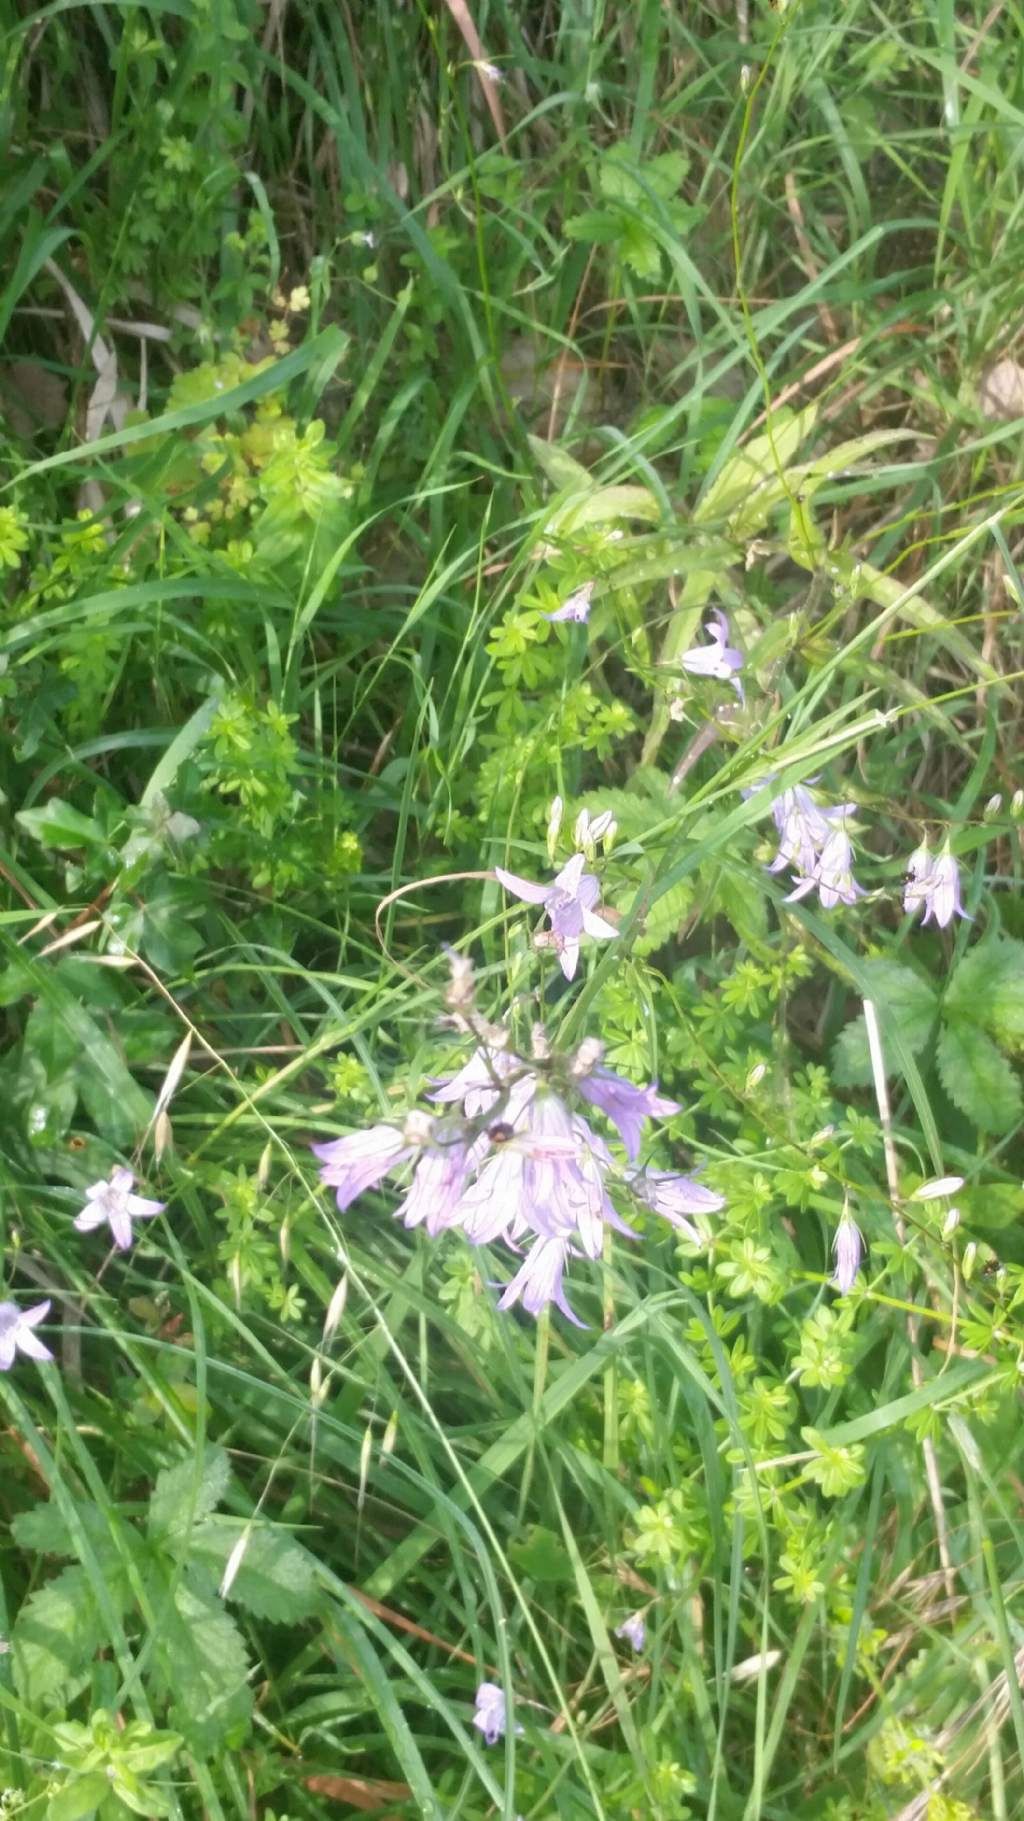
(604, 506)
(79, 1798)
(541, 1556)
(59, 825)
(665, 917)
(903, 997)
(561, 469)
(275, 1580)
(186, 1494)
(56, 1633)
(978, 1079)
(202, 1668)
(988, 989)
(748, 487)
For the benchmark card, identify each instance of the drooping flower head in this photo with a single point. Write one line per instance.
(676, 1198)
(804, 827)
(113, 1202)
(633, 1630)
(17, 1333)
(832, 874)
(490, 1717)
(626, 1105)
(719, 659)
(569, 902)
(934, 881)
(576, 608)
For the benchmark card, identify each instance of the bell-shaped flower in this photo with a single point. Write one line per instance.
(804, 827)
(569, 902)
(361, 1160)
(17, 1333)
(538, 1281)
(112, 1202)
(576, 608)
(480, 1083)
(934, 881)
(676, 1198)
(490, 1717)
(439, 1182)
(626, 1105)
(633, 1630)
(832, 875)
(719, 659)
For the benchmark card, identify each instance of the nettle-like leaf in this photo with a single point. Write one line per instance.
(636, 200)
(910, 1002)
(987, 989)
(978, 1079)
(56, 1634)
(185, 1495)
(275, 1579)
(201, 1667)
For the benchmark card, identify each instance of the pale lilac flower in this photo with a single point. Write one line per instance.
(361, 1160)
(569, 902)
(633, 1630)
(439, 1182)
(490, 1717)
(577, 607)
(719, 659)
(538, 1280)
(935, 883)
(624, 1104)
(804, 827)
(480, 1082)
(847, 1249)
(492, 72)
(17, 1333)
(675, 1198)
(832, 875)
(114, 1203)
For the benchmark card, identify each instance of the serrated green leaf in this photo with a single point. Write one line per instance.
(56, 1633)
(275, 1580)
(542, 1556)
(59, 825)
(903, 997)
(43, 1530)
(202, 1668)
(734, 897)
(186, 1494)
(987, 988)
(664, 918)
(978, 1079)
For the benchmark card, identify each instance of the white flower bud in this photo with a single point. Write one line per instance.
(418, 1127)
(336, 1306)
(969, 1257)
(1017, 803)
(587, 1056)
(757, 1075)
(582, 834)
(993, 806)
(951, 1222)
(942, 1185)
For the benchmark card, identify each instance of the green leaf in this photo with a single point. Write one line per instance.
(749, 487)
(987, 988)
(596, 227)
(186, 1494)
(202, 1669)
(43, 1530)
(56, 1633)
(275, 1580)
(903, 997)
(542, 1556)
(978, 1079)
(561, 469)
(79, 1798)
(59, 825)
(665, 917)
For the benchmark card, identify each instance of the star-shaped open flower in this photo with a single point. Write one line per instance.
(17, 1333)
(113, 1203)
(569, 901)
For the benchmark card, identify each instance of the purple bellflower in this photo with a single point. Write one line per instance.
(675, 1198)
(935, 883)
(569, 902)
(490, 1717)
(847, 1249)
(624, 1104)
(113, 1202)
(577, 607)
(804, 828)
(17, 1333)
(361, 1160)
(832, 874)
(719, 659)
(633, 1630)
(538, 1280)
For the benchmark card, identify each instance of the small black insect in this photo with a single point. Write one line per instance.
(500, 1133)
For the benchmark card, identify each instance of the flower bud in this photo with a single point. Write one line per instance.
(336, 1306)
(554, 826)
(582, 834)
(587, 1056)
(418, 1127)
(1017, 803)
(387, 1446)
(969, 1257)
(756, 1076)
(941, 1185)
(951, 1222)
(993, 806)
